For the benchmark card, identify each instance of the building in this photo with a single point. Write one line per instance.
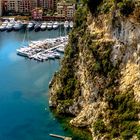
(51, 4)
(47, 4)
(26, 6)
(19, 6)
(37, 13)
(70, 11)
(4, 6)
(66, 10)
(13, 5)
(0, 7)
(40, 3)
(33, 4)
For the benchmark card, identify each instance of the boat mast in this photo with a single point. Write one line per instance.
(60, 29)
(22, 44)
(27, 34)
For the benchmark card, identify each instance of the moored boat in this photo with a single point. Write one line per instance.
(50, 25)
(56, 55)
(50, 56)
(71, 24)
(37, 27)
(43, 26)
(18, 26)
(3, 26)
(55, 25)
(22, 53)
(66, 24)
(9, 26)
(60, 49)
(30, 26)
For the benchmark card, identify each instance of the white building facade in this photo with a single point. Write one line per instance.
(21, 6)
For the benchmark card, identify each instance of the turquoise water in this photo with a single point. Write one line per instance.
(24, 112)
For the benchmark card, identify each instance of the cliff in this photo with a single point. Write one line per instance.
(99, 80)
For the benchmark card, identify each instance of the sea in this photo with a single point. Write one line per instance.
(24, 111)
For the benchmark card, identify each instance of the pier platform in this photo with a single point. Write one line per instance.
(60, 137)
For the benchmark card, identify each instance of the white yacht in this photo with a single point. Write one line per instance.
(37, 27)
(66, 24)
(55, 25)
(50, 56)
(56, 54)
(43, 26)
(30, 26)
(71, 24)
(61, 48)
(3, 26)
(44, 56)
(49, 25)
(9, 26)
(18, 25)
(22, 53)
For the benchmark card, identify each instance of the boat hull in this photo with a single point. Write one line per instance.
(3, 29)
(17, 29)
(37, 29)
(49, 28)
(9, 29)
(55, 28)
(43, 29)
(22, 54)
(30, 28)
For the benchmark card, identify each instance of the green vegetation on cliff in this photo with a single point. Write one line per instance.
(125, 7)
(122, 114)
(93, 52)
(70, 85)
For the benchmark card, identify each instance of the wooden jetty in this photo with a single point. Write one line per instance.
(60, 137)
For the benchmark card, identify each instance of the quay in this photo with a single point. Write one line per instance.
(56, 18)
(60, 137)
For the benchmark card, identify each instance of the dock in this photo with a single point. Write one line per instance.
(60, 137)
(44, 49)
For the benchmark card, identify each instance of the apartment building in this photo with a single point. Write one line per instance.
(47, 4)
(41, 3)
(26, 6)
(34, 3)
(19, 6)
(65, 9)
(13, 5)
(51, 4)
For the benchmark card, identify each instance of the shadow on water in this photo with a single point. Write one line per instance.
(75, 133)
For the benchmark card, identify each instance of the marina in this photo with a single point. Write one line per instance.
(24, 90)
(44, 49)
(13, 25)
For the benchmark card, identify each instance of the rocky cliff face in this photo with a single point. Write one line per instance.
(99, 80)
